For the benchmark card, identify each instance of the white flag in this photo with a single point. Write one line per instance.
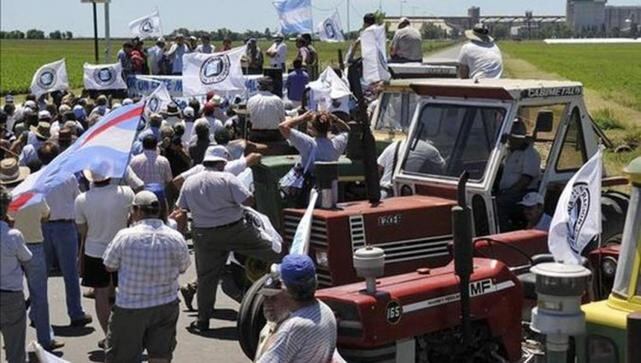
(300, 242)
(330, 30)
(329, 86)
(103, 76)
(50, 77)
(157, 100)
(146, 27)
(577, 219)
(213, 72)
(374, 57)
(295, 16)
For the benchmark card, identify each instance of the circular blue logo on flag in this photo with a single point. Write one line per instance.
(154, 104)
(215, 69)
(104, 76)
(146, 26)
(47, 78)
(578, 208)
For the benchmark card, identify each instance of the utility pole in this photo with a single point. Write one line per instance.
(402, 2)
(348, 26)
(95, 32)
(107, 36)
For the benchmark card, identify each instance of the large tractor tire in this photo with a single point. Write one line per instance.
(251, 319)
(614, 207)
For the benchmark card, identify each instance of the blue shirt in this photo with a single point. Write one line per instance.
(296, 82)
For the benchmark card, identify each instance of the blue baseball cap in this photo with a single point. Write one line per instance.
(297, 270)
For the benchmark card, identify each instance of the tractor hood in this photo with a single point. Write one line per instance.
(413, 232)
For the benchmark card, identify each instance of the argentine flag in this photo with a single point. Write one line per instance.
(295, 16)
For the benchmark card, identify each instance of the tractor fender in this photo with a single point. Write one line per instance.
(251, 319)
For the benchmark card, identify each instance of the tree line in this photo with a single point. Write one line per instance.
(35, 34)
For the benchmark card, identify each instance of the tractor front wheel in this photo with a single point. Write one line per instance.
(251, 319)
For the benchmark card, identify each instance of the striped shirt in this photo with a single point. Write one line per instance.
(151, 167)
(308, 335)
(148, 257)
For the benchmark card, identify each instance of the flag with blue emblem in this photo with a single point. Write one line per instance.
(330, 30)
(50, 77)
(220, 72)
(295, 16)
(158, 100)
(105, 148)
(103, 76)
(374, 56)
(147, 26)
(577, 218)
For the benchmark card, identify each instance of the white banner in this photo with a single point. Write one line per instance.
(329, 86)
(50, 77)
(213, 72)
(147, 26)
(330, 30)
(103, 76)
(157, 100)
(300, 242)
(577, 219)
(374, 57)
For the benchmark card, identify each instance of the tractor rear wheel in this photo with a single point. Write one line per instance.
(251, 319)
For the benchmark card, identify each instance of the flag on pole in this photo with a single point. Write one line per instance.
(50, 77)
(374, 56)
(157, 100)
(295, 16)
(103, 76)
(300, 242)
(104, 148)
(577, 219)
(330, 30)
(329, 86)
(213, 72)
(147, 26)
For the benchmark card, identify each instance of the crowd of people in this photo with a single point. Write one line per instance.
(123, 239)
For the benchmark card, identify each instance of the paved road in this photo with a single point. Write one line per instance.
(446, 55)
(220, 344)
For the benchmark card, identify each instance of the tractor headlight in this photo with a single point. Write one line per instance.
(321, 259)
(609, 267)
(406, 190)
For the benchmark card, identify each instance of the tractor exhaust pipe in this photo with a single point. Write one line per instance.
(462, 229)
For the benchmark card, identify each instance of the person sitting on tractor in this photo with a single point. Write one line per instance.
(317, 145)
(521, 170)
(535, 216)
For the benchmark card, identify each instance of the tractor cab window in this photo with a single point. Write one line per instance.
(449, 139)
(396, 111)
(573, 154)
(542, 139)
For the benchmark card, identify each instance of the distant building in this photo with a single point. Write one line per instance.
(595, 15)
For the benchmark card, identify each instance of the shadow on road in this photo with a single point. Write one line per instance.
(225, 333)
(71, 331)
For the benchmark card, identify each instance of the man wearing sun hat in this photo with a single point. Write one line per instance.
(215, 199)
(149, 256)
(101, 212)
(308, 334)
(534, 213)
(480, 57)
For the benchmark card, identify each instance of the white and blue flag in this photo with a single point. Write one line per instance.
(103, 76)
(330, 30)
(147, 26)
(158, 100)
(220, 72)
(50, 77)
(374, 56)
(295, 16)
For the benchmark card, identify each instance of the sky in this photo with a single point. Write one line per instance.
(240, 15)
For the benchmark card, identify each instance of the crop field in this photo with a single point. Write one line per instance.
(613, 70)
(19, 59)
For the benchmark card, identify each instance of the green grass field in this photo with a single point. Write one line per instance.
(613, 70)
(19, 59)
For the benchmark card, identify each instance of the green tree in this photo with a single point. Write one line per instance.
(35, 34)
(68, 35)
(55, 35)
(431, 31)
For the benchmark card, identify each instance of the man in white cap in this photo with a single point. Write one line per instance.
(407, 44)
(216, 200)
(277, 53)
(535, 216)
(149, 256)
(480, 57)
(101, 212)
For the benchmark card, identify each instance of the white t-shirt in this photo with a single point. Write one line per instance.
(281, 54)
(104, 210)
(518, 163)
(386, 160)
(484, 60)
(234, 167)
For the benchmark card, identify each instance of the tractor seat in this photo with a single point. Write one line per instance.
(528, 279)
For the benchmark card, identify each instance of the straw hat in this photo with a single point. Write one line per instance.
(42, 130)
(479, 33)
(11, 172)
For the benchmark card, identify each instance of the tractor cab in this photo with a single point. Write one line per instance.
(465, 125)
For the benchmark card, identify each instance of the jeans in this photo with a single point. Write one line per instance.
(61, 241)
(13, 325)
(36, 271)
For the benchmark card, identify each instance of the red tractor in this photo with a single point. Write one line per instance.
(467, 121)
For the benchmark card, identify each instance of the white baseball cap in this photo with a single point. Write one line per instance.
(531, 199)
(146, 198)
(188, 111)
(216, 153)
(44, 115)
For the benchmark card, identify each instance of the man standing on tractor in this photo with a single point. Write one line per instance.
(407, 44)
(521, 170)
(480, 57)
